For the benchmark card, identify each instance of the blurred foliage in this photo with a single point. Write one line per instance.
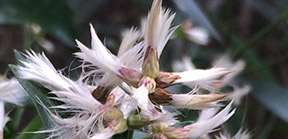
(253, 30)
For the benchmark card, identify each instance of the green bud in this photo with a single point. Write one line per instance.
(121, 126)
(159, 136)
(111, 114)
(150, 66)
(137, 121)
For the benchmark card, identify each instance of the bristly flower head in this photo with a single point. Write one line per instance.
(127, 91)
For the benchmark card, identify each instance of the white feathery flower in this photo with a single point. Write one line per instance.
(104, 134)
(141, 96)
(133, 58)
(204, 127)
(157, 29)
(128, 41)
(238, 93)
(192, 101)
(242, 135)
(206, 114)
(198, 35)
(76, 98)
(183, 65)
(79, 101)
(200, 78)
(98, 55)
(239, 135)
(12, 92)
(86, 111)
(108, 63)
(124, 102)
(165, 117)
(38, 68)
(76, 127)
(197, 129)
(235, 68)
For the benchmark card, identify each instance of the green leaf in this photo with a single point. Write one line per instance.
(191, 9)
(273, 97)
(18, 56)
(38, 95)
(35, 125)
(125, 135)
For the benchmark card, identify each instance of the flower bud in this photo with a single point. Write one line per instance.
(149, 83)
(137, 121)
(130, 76)
(161, 96)
(150, 65)
(166, 79)
(159, 136)
(120, 126)
(111, 114)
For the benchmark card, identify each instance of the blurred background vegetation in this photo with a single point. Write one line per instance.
(253, 30)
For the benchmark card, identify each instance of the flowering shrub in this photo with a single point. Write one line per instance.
(127, 91)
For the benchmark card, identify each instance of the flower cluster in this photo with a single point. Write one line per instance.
(127, 91)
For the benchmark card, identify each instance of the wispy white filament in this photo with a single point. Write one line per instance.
(201, 78)
(38, 68)
(204, 127)
(239, 135)
(143, 101)
(99, 55)
(192, 101)
(129, 40)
